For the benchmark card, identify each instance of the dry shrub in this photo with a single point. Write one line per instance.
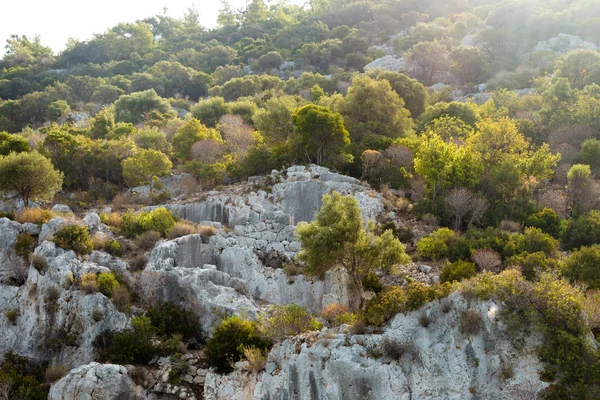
(37, 216)
(53, 374)
(488, 260)
(430, 219)
(111, 219)
(11, 315)
(138, 262)
(120, 296)
(395, 350)
(97, 315)
(206, 231)
(256, 358)
(333, 311)
(403, 204)
(554, 199)
(181, 228)
(471, 323)
(121, 201)
(147, 240)
(18, 270)
(510, 226)
(190, 186)
(89, 282)
(99, 241)
(39, 263)
(208, 151)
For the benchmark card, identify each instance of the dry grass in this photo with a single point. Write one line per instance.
(206, 231)
(181, 228)
(111, 219)
(431, 220)
(256, 358)
(53, 374)
(333, 311)
(120, 296)
(395, 350)
(471, 323)
(190, 186)
(37, 216)
(510, 226)
(89, 283)
(147, 240)
(121, 201)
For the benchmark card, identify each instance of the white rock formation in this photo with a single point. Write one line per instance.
(435, 362)
(564, 43)
(96, 382)
(389, 63)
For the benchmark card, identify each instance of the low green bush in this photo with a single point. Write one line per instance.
(74, 237)
(22, 379)
(170, 319)
(547, 220)
(113, 248)
(24, 245)
(130, 346)
(289, 320)
(107, 283)
(580, 231)
(532, 264)
(436, 245)
(584, 265)
(457, 271)
(372, 282)
(228, 341)
(160, 220)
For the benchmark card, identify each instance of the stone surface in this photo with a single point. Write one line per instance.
(439, 363)
(388, 63)
(564, 43)
(96, 381)
(62, 208)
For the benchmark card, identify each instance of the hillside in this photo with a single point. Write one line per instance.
(341, 200)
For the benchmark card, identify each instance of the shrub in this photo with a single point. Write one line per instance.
(333, 311)
(97, 315)
(21, 378)
(147, 240)
(395, 350)
(170, 319)
(257, 359)
(24, 245)
(130, 346)
(89, 282)
(510, 226)
(395, 299)
(159, 220)
(181, 228)
(206, 231)
(435, 246)
(582, 231)
(51, 300)
(535, 240)
(471, 323)
(39, 263)
(107, 283)
(228, 340)
(547, 220)
(179, 368)
(488, 260)
(74, 237)
(11, 315)
(113, 248)
(113, 219)
(372, 282)
(138, 262)
(532, 264)
(38, 216)
(457, 271)
(120, 296)
(583, 265)
(53, 374)
(288, 320)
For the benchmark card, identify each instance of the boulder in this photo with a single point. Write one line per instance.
(96, 381)
(62, 208)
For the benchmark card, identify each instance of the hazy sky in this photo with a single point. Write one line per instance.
(57, 20)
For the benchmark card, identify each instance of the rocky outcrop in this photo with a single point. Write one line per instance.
(406, 361)
(389, 63)
(98, 382)
(54, 320)
(564, 43)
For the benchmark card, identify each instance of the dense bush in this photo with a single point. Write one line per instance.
(395, 299)
(170, 319)
(229, 338)
(457, 271)
(159, 220)
(290, 320)
(582, 231)
(24, 245)
(74, 237)
(107, 283)
(130, 346)
(547, 220)
(21, 379)
(435, 246)
(584, 265)
(532, 264)
(37, 216)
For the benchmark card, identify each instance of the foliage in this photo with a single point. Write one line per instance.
(22, 378)
(435, 246)
(289, 320)
(130, 346)
(170, 319)
(583, 230)
(144, 166)
(228, 341)
(107, 283)
(30, 176)
(582, 265)
(74, 237)
(38, 216)
(547, 220)
(457, 271)
(159, 220)
(24, 245)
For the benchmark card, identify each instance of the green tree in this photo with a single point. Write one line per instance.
(271, 60)
(144, 166)
(337, 238)
(413, 92)
(135, 106)
(428, 62)
(320, 135)
(373, 108)
(209, 111)
(189, 133)
(274, 121)
(12, 143)
(590, 154)
(30, 176)
(468, 65)
(579, 66)
(583, 266)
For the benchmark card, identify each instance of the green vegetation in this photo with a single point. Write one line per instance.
(159, 220)
(74, 237)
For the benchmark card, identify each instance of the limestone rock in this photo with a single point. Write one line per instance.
(388, 63)
(564, 43)
(62, 208)
(96, 381)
